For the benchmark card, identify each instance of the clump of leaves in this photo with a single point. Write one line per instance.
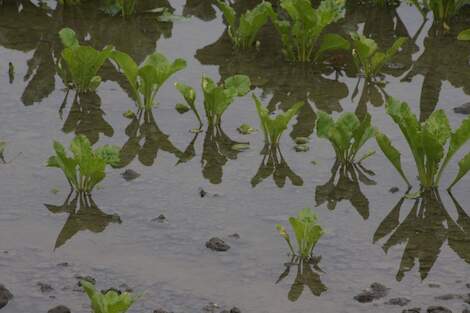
(307, 233)
(300, 34)
(243, 32)
(125, 7)
(85, 168)
(189, 96)
(368, 59)
(147, 79)
(427, 142)
(110, 302)
(347, 135)
(274, 127)
(464, 35)
(82, 63)
(217, 98)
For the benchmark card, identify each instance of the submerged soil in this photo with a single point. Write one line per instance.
(417, 249)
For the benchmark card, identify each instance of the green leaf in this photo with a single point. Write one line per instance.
(464, 167)
(464, 35)
(228, 11)
(331, 42)
(324, 124)
(109, 154)
(392, 154)
(68, 38)
(240, 83)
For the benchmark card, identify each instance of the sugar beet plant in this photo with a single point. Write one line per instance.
(307, 233)
(367, 57)
(109, 302)
(86, 167)
(243, 31)
(301, 33)
(427, 142)
(147, 79)
(217, 98)
(274, 127)
(347, 135)
(79, 65)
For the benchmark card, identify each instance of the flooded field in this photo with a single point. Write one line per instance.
(145, 226)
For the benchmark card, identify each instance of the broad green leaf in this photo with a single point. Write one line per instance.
(228, 11)
(68, 38)
(392, 154)
(464, 167)
(324, 124)
(240, 83)
(464, 35)
(331, 42)
(109, 154)
(438, 126)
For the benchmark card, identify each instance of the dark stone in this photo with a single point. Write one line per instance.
(413, 310)
(394, 190)
(463, 109)
(235, 236)
(398, 301)
(125, 287)
(202, 192)
(376, 291)
(59, 309)
(45, 287)
(63, 264)
(467, 285)
(438, 309)
(129, 175)
(160, 311)
(434, 285)
(449, 296)
(217, 244)
(160, 219)
(5, 296)
(235, 310)
(89, 279)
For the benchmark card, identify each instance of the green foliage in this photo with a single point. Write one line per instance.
(307, 233)
(217, 98)
(347, 134)
(443, 10)
(146, 80)
(189, 96)
(427, 143)
(300, 34)
(464, 35)
(111, 302)
(125, 7)
(243, 32)
(82, 63)
(368, 59)
(274, 127)
(86, 168)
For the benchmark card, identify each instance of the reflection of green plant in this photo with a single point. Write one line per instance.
(426, 141)
(464, 35)
(300, 34)
(307, 233)
(347, 134)
(189, 96)
(86, 167)
(82, 62)
(243, 33)
(274, 127)
(368, 59)
(125, 7)
(111, 302)
(146, 80)
(217, 98)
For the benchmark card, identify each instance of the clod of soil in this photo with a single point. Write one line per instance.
(463, 109)
(129, 175)
(59, 309)
(394, 190)
(235, 310)
(376, 291)
(438, 309)
(398, 301)
(217, 244)
(44, 287)
(413, 310)
(161, 311)
(5, 296)
(160, 219)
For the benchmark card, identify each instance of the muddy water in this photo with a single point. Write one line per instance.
(371, 235)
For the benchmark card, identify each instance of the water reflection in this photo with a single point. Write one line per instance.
(145, 140)
(344, 184)
(371, 92)
(424, 230)
(86, 117)
(202, 9)
(274, 164)
(84, 214)
(306, 275)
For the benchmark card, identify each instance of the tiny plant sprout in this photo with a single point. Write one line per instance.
(427, 142)
(347, 135)
(301, 34)
(243, 32)
(79, 65)
(368, 59)
(86, 167)
(147, 79)
(307, 233)
(189, 96)
(109, 302)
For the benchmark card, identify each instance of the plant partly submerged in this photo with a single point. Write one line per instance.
(109, 302)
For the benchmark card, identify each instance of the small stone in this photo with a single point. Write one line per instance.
(463, 109)
(129, 175)
(398, 301)
(434, 285)
(160, 219)
(217, 244)
(447, 297)
(467, 285)
(59, 309)
(376, 291)
(44, 287)
(234, 236)
(202, 192)
(160, 311)
(394, 190)
(235, 310)
(63, 264)
(125, 287)
(413, 310)
(438, 309)
(5, 296)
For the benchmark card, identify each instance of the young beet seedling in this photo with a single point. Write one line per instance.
(368, 59)
(86, 168)
(243, 32)
(189, 96)
(110, 302)
(82, 63)
(427, 141)
(145, 80)
(347, 135)
(300, 35)
(307, 233)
